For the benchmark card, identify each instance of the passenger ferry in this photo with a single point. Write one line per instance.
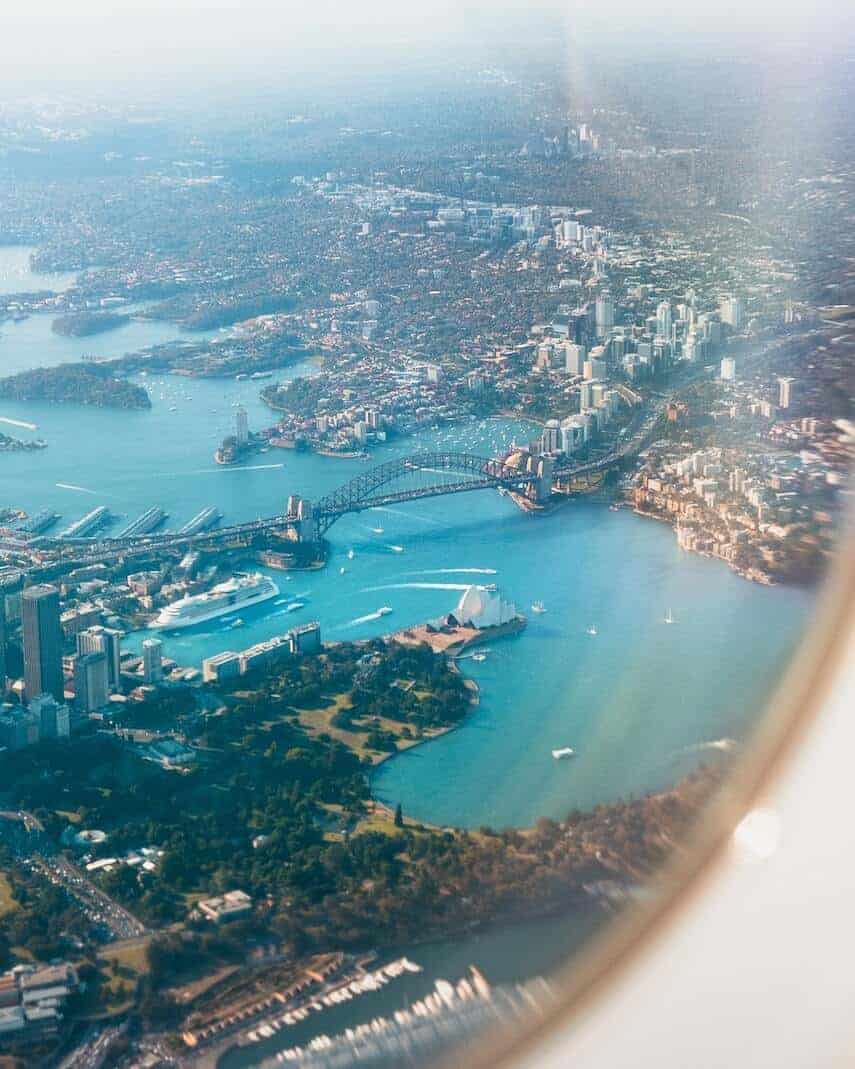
(241, 591)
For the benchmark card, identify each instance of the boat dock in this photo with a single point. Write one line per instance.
(39, 522)
(92, 521)
(143, 524)
(202, 521)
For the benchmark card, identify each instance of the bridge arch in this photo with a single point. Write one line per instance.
(374, 487)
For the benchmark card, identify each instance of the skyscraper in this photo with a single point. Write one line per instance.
(731, 312)
(90, 681)
(152, 649)
(42, 641)
(107, 641)
(574, 358)
(54, 719)
(604, 311)
(786, 392)
(663, 320)
(242, 422)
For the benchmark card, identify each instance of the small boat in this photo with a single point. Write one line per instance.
(294, 606)
(592, 630)
(563, 753)
(237, 623)
(384, 610)
(479, 657)
(377, 530)
(350, 554)
(397, 549)
(669, 617)
(538, 606)
(342, 570)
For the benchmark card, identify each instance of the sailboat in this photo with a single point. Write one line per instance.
(669, 617)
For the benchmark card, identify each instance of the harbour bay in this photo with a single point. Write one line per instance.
(641, 702)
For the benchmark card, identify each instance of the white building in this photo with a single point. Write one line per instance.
(152, 650)
(574, 358)
(786, 392)
(480, 608)
(731, 312)
(728, 369)
(664, 319)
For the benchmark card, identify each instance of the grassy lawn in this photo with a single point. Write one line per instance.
(319, 721)
(8, 904)
(120, 969)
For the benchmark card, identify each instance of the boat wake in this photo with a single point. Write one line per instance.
(79, 489)
(417, 586)
(454, 571)
(723, 745)
(367, 619)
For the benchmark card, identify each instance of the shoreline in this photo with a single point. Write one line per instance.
(757, 576)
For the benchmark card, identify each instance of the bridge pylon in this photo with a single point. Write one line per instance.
(303, 518)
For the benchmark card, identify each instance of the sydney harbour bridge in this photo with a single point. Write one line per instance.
(410, 478)
(532, 479)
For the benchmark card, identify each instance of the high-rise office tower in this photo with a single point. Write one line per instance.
(604, 311)
(105, 640)
(53, 717)
(152, 649)
(42, 641)
(574, 358)
(242, 422)
(663, 320)
(90, 681)
(731, 312)
(786, 392)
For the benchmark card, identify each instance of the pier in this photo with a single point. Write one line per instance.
(142, 525)
(99, 517)
(202, 521)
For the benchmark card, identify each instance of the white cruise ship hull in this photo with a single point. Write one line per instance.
(178, 623)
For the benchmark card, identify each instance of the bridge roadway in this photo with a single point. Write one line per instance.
(482, 473)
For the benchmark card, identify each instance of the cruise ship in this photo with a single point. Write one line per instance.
(239, 592)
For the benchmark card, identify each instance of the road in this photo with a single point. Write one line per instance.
(28, 841)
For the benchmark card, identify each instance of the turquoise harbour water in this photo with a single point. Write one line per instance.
(640, 702)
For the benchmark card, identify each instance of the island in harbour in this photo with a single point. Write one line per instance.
(85, 324)
(8, 444)
(84, 384)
